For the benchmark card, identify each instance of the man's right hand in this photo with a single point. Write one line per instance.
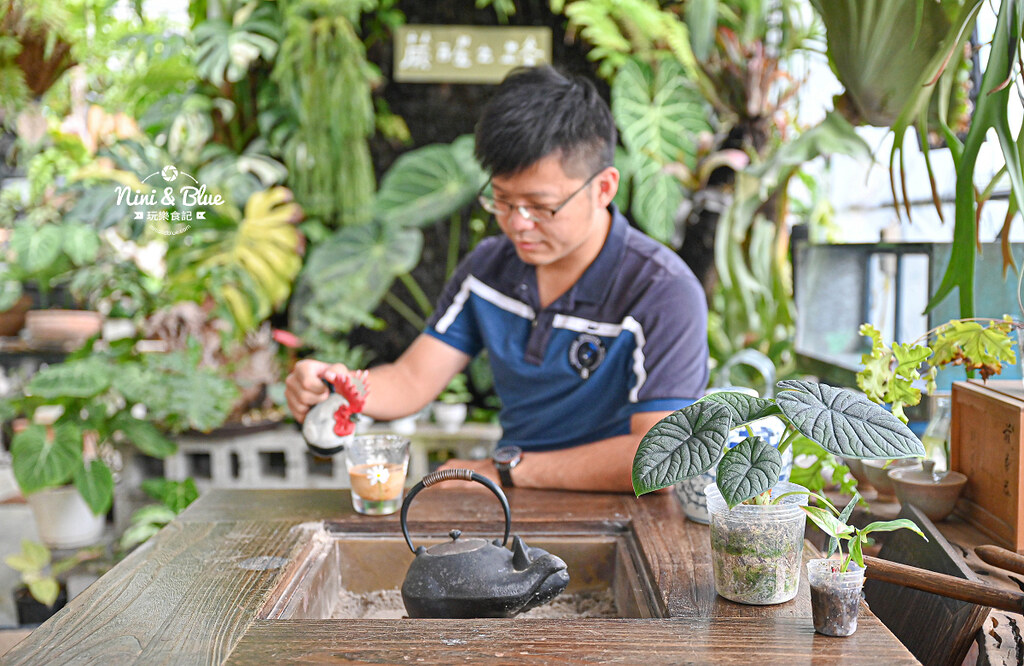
(304, 388)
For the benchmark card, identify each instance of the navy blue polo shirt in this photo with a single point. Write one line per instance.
(630, 336)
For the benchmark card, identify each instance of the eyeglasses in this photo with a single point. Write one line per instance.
(535, 214)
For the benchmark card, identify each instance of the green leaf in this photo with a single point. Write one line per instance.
(656, 198)
(80, 243)
(175, 495)
(154, 514)
(346, 276)
(748, 469)
(10, 293)
(659, 111)
(702, 19)
(33, 557)
(144, 435)
(428, 184)
(827, 522)
(983, 348)
(682, 445)
(844, 516)
(36, 248)
(43, 462)
(136, 534)
(226, 51)
(743, 408)
(856, 551)
(846, 423)
(44, 590)
(83, 378)
(96, 485)
(892, 526)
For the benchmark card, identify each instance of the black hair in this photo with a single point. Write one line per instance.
(538, 112)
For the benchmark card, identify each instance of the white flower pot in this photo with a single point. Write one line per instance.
(450, 416)
(63, 519)
(403, 426)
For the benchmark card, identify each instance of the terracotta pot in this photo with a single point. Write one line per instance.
(62, 326)
(13, 320)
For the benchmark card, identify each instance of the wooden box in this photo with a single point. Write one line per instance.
(986, 443)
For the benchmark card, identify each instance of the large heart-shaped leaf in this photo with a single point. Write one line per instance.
(684, 444)
(96, 485)
(41, 461)
(748, 469)
(428, 184)
(743, 408)
(348, 274)
(846, 423)
(36, 248)
(80, 243)
(83, 378)
(658, 111)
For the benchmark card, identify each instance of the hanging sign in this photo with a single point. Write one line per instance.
(465, 53)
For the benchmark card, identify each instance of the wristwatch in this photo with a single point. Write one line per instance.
(505, 459)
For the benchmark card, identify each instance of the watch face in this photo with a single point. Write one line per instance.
(507, 454)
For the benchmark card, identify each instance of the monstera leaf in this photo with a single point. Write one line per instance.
(42, 460)
(846, 423)
(428, 184)
(684, 444)
(346, 276)
(750, 468)
(227, 50)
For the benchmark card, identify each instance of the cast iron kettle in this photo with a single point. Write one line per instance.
(465, 578)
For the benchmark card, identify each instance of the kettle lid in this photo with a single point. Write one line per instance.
(457, 546)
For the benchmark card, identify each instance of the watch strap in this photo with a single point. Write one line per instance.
(505, 474)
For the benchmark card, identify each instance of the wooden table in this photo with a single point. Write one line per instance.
(194, 594)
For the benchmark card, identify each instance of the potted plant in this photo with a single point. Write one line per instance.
(97, 402)
(450, 409)
(42, 257)
(692, 440)
(836, 584)
(42, 593)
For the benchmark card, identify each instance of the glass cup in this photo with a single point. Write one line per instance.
(377, 465)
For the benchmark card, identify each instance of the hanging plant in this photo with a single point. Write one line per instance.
(325, 79)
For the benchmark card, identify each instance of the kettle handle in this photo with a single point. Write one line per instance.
(448, 475)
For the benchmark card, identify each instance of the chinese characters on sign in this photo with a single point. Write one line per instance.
(467, 54)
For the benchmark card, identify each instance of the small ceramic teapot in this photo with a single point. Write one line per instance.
(465, 578)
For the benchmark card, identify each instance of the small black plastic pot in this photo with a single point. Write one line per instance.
(31, 611)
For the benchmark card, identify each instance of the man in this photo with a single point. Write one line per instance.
(594, 331)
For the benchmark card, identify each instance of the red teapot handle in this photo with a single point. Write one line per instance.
(448, 475)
